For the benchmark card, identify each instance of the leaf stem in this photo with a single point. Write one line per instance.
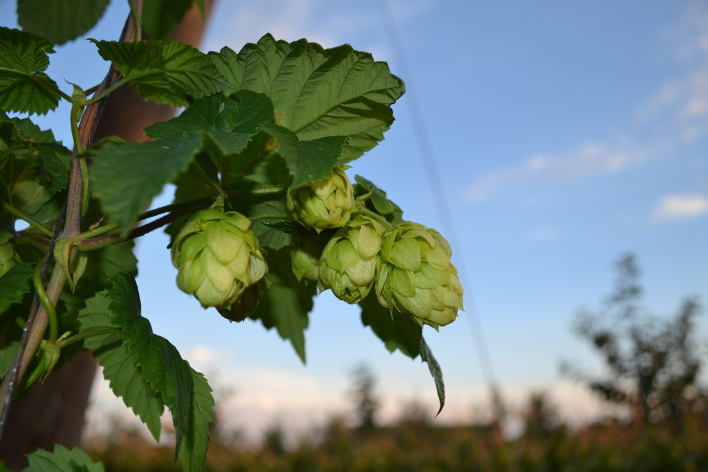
(32, 222)
(86, 334)
(64, 95)
(101, 94)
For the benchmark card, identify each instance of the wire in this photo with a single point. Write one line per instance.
(438, 191)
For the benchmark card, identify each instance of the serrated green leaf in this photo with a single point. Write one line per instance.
(166, 72)
(119, 367)
(61, 459)
(307, 161)
(427, 355)
(267, 212)
(227, 122)
(160, 17)
(24, 87)
(166, 373)
(317, 92)
(286, 303)
(127, 176)
(14, 284)
(396, 330)
(60, 20)
(195, 442)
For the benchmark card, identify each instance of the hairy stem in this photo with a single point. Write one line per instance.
(86, 334)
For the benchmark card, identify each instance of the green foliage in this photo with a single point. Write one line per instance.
(286, 303)
(160, 17)
(147, 371)
(24, 87)
(14, 285)
(427, 355)
(307, 161)
(62, 459)
(317, 92)
(60, 20)
(166, 72)
(396, 330)
(127, 176)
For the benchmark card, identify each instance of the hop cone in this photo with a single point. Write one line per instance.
(350, 259)
(323, 204)
(8, 258)
(217, 257)
(416, 275)
(305, 255)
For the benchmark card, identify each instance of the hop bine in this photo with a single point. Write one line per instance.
(217, 257)
(323, 204)
(350, 259)
(416, 275)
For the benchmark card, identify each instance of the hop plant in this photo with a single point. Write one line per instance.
(217, 257)
(8, 258)
(323, 204)
(350, 259)
(416, 275)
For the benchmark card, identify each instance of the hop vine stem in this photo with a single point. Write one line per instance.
(38, 318)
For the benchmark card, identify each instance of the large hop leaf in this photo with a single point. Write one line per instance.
(218, 257)
(323, 204)
(416, 275)
(349, 261)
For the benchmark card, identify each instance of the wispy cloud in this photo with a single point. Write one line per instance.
(590, 159)
(674, 207)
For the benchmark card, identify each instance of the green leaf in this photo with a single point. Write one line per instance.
(377, 201)
(228, 123)
(22, 139)
(396, 330)
(196, 439)
(427, 355)
(62, 459)
(60, 20)
(309, 160)
(317, 92)
(167, 374)
(127, 176)
(160, 17)
(24, 87)
(14, 284)
(166, 72)
(263, 216)
(119, 367)
(286, 303)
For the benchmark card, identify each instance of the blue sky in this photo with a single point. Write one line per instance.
(565, 133)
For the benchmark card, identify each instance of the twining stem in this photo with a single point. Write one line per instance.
(47, 304)
(38, 317)
(31, 221)
(136, 13)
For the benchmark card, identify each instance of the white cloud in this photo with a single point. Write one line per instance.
(673, 207)
(590, 159)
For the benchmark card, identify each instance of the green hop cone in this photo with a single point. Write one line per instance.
(350, 259)
(8, 258)
(323, 204)
(416, 275)
(217, 257)
(305, 255)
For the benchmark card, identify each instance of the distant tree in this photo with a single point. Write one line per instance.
(363, 395)
(652, 365)
(539, 415)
